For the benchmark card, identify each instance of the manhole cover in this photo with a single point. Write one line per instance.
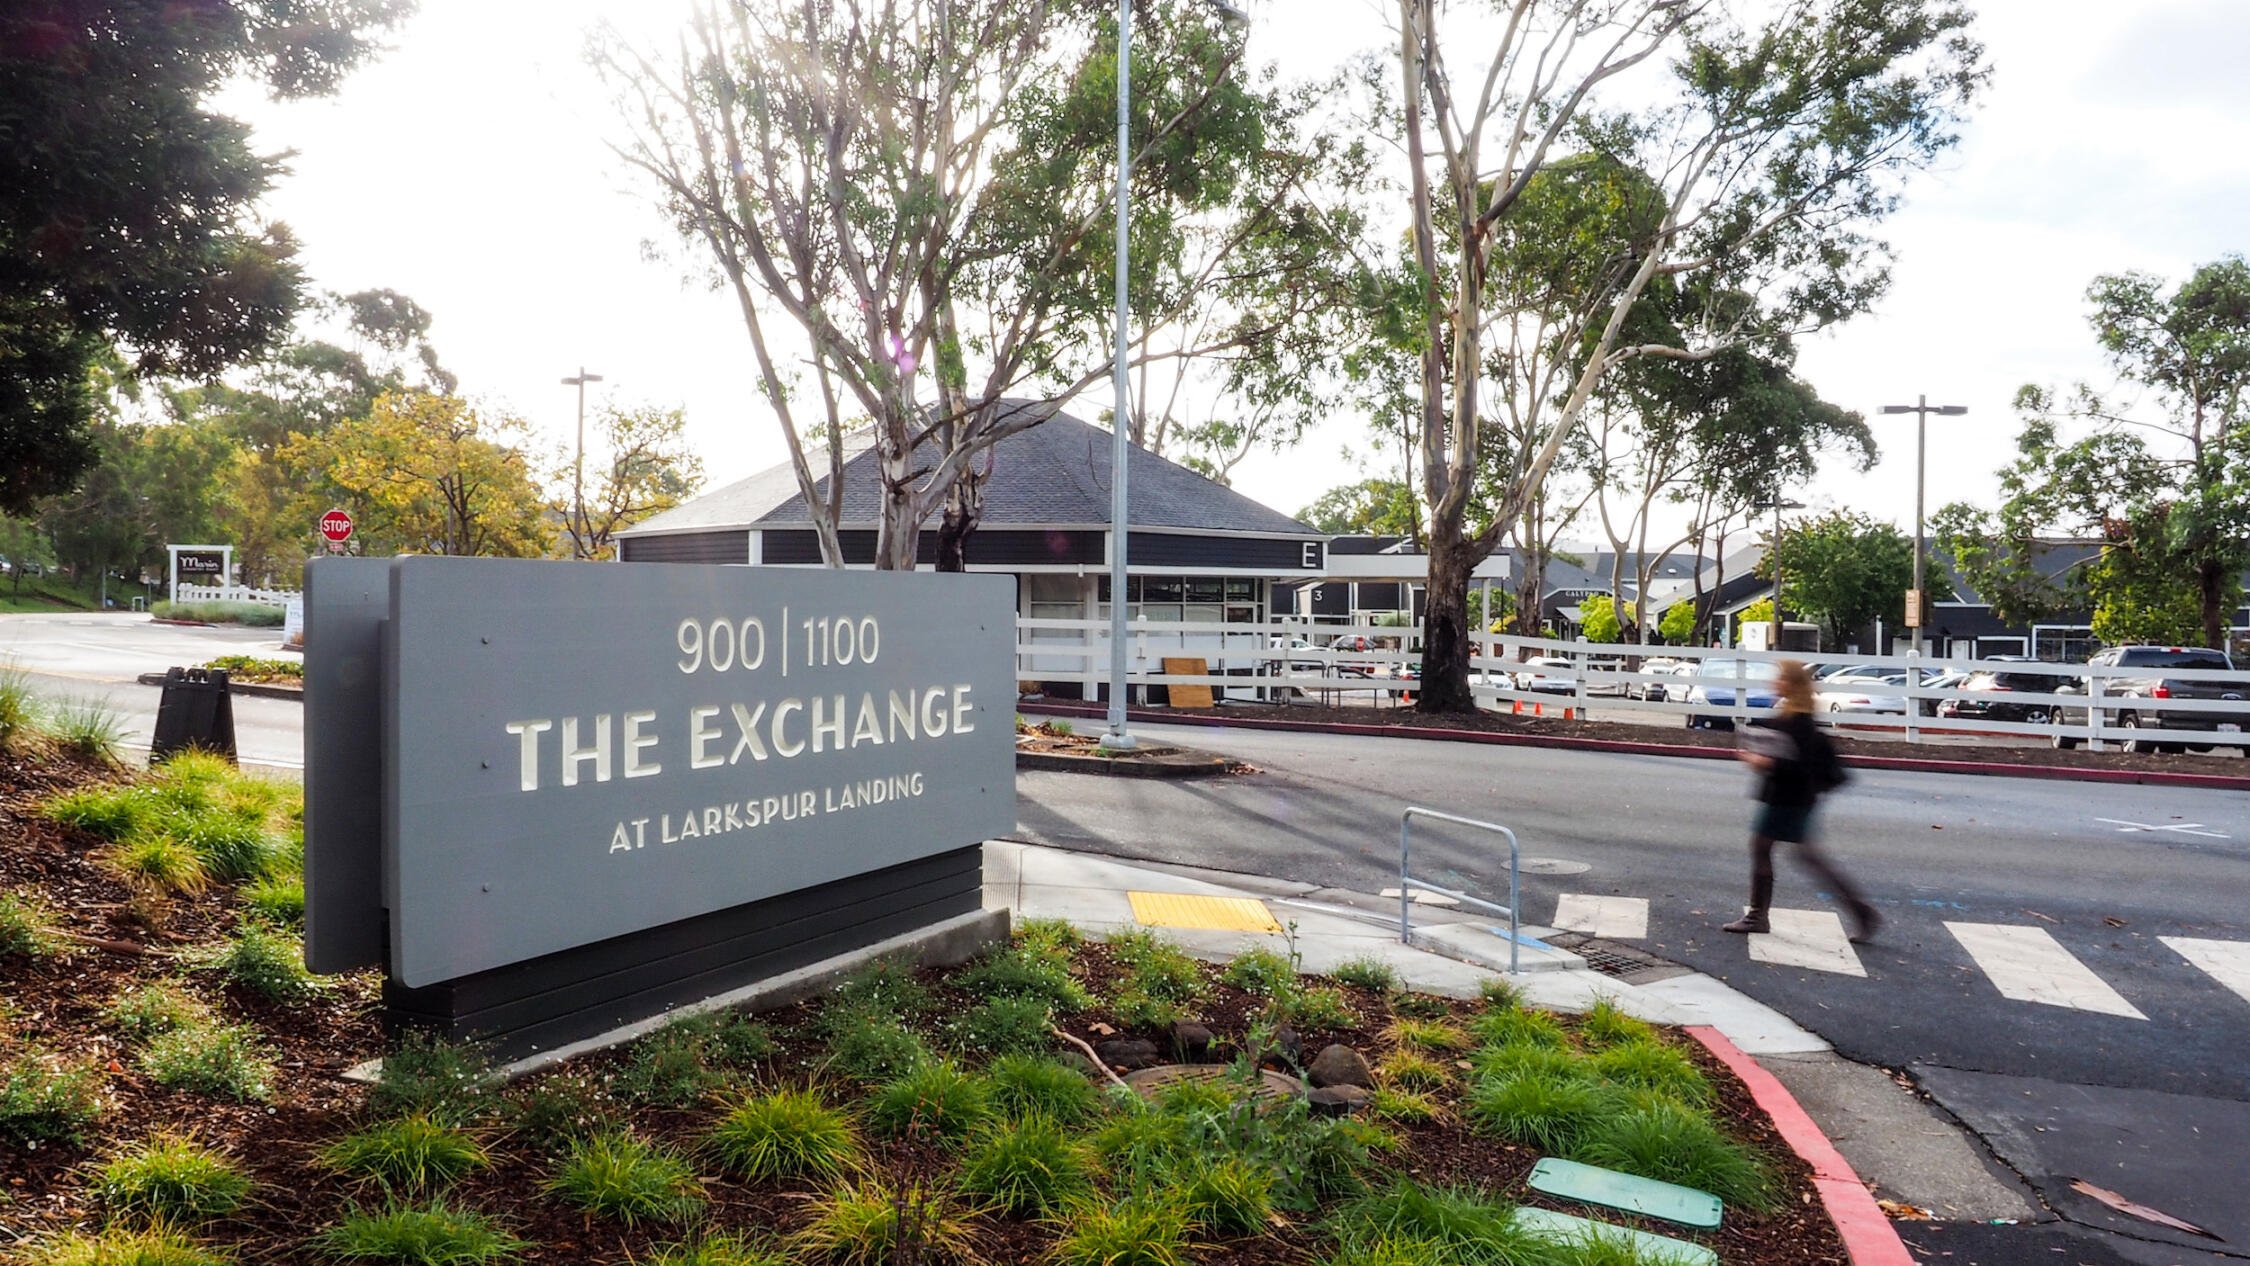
(1150, 1082)
(1552, 866)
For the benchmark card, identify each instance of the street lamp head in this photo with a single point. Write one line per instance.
(581, 380)
(1228, 13)
(1951, 410)
(1898, 408)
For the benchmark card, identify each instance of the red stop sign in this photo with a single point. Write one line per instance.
(336, 526)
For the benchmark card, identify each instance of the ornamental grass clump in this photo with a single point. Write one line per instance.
(87, 728)
(936, 1099)
(1227, 1195)
(626, 1178)
(170, 1181)
(1541, 1110)
(1414, 1071)
(1653, 1065)
(1147, 1228)
(1028, 1168)
(1037, 1085)
(1466, 1227)
(1605, 1025)
(435, 1233)
(120, 1246)
(410, 1154)
(44, 1097)
(1660, 1139)
(1155, 968)
(1366, 972)
(1519, 1026)
(1407, 1107)
(785, 1135)
(718, 1250)
(875, 1223)
(279, 899)
(157, 864)
(1437, 1036)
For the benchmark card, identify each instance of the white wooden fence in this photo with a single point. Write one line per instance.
(1258, 662)
(237, 593)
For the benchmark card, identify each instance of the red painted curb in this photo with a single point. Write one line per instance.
(1868, 1236)
(1910, 764)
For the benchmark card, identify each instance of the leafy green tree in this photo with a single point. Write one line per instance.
(1845, 570)
(127, 208)
(2159, 471)
(1759, 612)
(645, 467)
(1677, 624)
(24, 546)
(1780, 138)
(1371, 507)
(425, 473)
(2136, 601)
(920, 191)
(1604, 619)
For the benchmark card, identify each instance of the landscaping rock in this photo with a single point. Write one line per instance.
(1340, 1101)
(1191, 1042)
(1340, 1065)
(1127, 1052)
(1287, 1052)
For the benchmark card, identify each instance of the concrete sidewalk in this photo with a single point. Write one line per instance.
(1452, 953)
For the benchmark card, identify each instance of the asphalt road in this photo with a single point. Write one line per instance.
(2100, 872)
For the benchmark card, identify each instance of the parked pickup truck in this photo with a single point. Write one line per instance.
(2140, 689)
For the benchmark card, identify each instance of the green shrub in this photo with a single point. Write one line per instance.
(1325, 1158)
(731, 1039)
(172, 1181)
(1421, 1006)
(264, 962)
(559, 1109)
(718, 1250)
(155, 1009)
(427, 1075)
(1540, 1110)
(1409, 1033)
(1054, 937)
(1008, 1026)
(27, 928)
(1674, 1143)
(1515, 1026)
(43, 1098)
(1263, 972)
(1147, 1229)
(1650, 1064)
(117, 1246)
(233, 846)
(887, 985)
(1155, 967)
(279, 898)
(1367, 972)
(430, 1234)
(1138, 1010)
(622, 1177)
(1228, 1195)
(111, 813)
(1499, 993)
(871, 1046)
(1528, 1059)
(872, 1223)
(784, 1135)
(409, 1154)
(90, 728)
(1020, 971)
(1028, 1168)
(667, 1069)
(1604, 1026)
(17, 704)
(253, 614)
(251, 668)
(1321, 1009)
(1412, 1070)
(1035, 1085)
(1407, 1107)
(935, 1098)
(1138, 1142)
(158, 863)
(223, 1060)
(1466, 1226)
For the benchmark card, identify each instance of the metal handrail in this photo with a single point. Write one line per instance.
(1407, 883)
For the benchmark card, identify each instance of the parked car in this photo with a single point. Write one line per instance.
(2142, 683)
(1986, 696)
(1304, 657)
(1676, 690)
(1947, 679)
(1862, 690)
(1547, 675)
(1756, 688)
(1646, 690)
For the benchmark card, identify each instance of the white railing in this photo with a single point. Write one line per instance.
(237, 593)
(1252, 661)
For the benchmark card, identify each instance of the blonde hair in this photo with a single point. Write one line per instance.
(1795, 683)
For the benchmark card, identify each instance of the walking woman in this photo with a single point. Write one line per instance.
(1797, 764)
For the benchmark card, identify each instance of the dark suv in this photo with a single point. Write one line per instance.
(1986, 696)
(2139, 686)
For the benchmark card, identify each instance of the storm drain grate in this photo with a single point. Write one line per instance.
(1604, 957)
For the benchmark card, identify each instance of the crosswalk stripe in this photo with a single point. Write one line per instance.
(2028, 965)
(1812, 939)
(2227, 962)
(1616, 918)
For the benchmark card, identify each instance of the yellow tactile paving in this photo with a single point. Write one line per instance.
(1216, 914)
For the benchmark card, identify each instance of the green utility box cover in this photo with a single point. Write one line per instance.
(1651, 1248)
(1646, 1196)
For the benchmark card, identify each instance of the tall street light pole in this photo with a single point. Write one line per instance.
(1121, 444)
(1921, 409)
(578, 468)
(1773, 547)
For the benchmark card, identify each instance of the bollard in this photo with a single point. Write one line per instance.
(196, 712)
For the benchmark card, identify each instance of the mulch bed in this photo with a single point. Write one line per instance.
(2220, 761)
(56, 1003)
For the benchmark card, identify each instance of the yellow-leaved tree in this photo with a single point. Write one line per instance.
(425, 473)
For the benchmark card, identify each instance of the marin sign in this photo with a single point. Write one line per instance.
(572, 752)
(202, 562)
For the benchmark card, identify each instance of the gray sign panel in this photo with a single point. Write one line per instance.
(347, 602)
(575, 752)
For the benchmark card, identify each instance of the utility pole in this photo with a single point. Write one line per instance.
(1918, 607)
(578, 468)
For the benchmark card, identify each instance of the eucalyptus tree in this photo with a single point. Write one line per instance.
(910, 201)
(1774, 137)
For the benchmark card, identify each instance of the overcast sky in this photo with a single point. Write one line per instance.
(468, 169)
